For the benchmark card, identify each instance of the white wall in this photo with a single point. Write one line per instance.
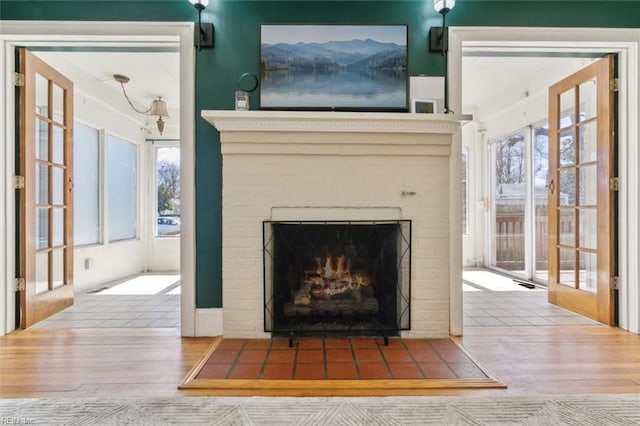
(109, 261)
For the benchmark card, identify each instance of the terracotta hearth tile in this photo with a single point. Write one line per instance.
(229, 344)
(396, 355)
(374, 371)
(310, 344)
(281, 344)
(368, 355)
(425, 355)
(436, 370)
(309, 372)
(214, 371)
(310, 356)
(337, 344)
(394, 343)
(453, 355)
(278, 372)
(405, 370)
(339, 355)
(341, 371)
(417, 343)
(467, 370)
(257, 344)
(222, 357)
(281, 356)
(245, 371)
(252, 356)
(363, 342)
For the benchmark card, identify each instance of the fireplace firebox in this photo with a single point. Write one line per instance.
(335, 277)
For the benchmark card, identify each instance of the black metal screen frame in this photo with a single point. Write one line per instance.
(403, 267)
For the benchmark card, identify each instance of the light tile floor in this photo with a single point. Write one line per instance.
(146, 300)
(153, 300)
(491, 299)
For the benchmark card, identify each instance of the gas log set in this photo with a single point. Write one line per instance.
(332, 288)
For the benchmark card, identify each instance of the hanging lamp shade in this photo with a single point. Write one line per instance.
(159, 107)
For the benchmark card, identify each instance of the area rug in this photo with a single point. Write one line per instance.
(596, 410)
(362, 366)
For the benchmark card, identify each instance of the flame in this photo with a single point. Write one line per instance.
(333, 267)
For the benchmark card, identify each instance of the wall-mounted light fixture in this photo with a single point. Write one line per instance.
(439, 41)
(158, 106)
(204, 32)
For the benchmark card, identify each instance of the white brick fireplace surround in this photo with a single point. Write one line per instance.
(348, 166)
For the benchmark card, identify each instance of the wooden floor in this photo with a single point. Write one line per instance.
(153, 362)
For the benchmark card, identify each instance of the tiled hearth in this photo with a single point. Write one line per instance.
(336, 366)
(339, 359)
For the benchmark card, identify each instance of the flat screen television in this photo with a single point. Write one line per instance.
(334, 67)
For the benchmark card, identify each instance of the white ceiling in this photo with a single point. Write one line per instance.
(485, 78)
(151, 74)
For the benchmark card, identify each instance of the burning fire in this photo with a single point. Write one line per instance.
(334, 267)
(331, 277)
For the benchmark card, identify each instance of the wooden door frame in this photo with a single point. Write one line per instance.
(624, 42)
(65, 33)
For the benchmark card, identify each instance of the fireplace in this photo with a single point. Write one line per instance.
(308, 193)
(330, 277)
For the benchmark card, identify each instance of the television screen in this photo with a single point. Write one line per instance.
(334, 67)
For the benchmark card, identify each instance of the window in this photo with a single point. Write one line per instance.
(86, 185)
(122, 161)
(168, 190)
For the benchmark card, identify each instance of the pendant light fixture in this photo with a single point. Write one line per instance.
(157, 108)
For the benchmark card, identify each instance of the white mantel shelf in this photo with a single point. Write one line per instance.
(330, 121)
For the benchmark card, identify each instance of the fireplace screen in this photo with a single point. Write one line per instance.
(337, 276)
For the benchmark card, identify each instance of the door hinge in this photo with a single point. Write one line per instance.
(614, 184)
(18, 182)
(613, 84)
(20, 284)
(615, 283)
(18, 79)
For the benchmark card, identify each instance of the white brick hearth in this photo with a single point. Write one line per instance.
(336, 166)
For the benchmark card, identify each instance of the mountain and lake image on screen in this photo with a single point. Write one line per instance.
(341, 67)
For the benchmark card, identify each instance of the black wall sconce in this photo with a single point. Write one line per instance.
(439, 42)
(204, 32)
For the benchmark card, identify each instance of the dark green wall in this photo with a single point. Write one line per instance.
(237, 36)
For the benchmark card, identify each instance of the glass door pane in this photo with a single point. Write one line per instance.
(509, 190)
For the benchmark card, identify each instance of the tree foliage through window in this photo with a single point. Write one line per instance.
(168, 181)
